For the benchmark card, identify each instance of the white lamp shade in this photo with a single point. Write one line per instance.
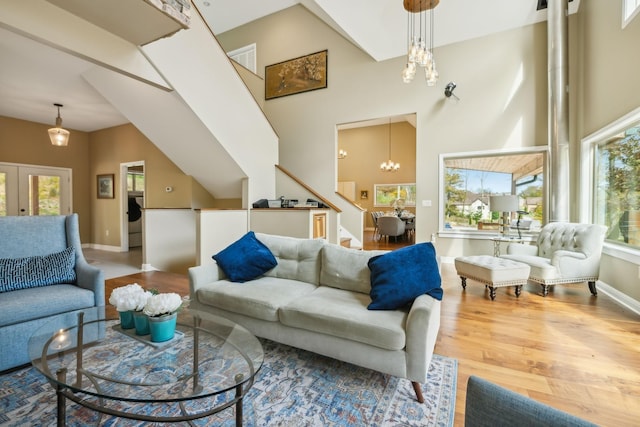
(503, 203)
(59, 136)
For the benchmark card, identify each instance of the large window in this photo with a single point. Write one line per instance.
(616, 187)
(469, 181)
(630, 9)
(394, 195)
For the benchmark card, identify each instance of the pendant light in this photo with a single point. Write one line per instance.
(389, 165)
(59, 136)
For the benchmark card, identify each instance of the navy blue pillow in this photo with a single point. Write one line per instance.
(245, 259)
(400, 276)
(36, 271)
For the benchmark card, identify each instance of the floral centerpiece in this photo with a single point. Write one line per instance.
(130, 301)
(162, 310)
(162, 304)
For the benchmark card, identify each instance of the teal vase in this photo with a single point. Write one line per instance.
(162, 328)
(141, 321)
(126, 319)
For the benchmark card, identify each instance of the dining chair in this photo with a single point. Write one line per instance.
(390, 226)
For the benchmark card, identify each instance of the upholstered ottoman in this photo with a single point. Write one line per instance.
(494, 272)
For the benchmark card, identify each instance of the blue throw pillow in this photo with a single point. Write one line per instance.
(245, 259)
(400, 276)
(35, 271)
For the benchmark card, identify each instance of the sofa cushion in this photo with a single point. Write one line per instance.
(245, 259)
(36, 271)
(260, 298)
(399, 277)
(344, 314)
(298, 259)
(346, 268)
(42, 302)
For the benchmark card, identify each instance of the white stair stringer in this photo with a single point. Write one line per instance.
(195, 65)
(170, 124)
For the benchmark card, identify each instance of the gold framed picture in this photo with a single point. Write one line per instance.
(296, 75)
(105, 186)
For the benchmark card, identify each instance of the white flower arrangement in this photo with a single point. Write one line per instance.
(162, 304)
(129, 298)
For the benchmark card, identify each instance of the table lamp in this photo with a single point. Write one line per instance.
(506, 205)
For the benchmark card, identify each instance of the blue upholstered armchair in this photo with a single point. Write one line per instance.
(43, 274)
(489, 405)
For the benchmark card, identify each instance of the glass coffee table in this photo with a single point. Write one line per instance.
(207, 367)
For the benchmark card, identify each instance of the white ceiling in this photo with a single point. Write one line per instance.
(33, 76)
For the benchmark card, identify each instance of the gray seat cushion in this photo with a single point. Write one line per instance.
(259, 298)
(344, 314)
(35, 303)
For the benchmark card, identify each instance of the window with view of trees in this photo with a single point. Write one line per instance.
(470, 181)
(388, 194)
(135, 181)
(616, 195)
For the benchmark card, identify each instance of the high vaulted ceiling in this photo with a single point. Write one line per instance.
(34, 76)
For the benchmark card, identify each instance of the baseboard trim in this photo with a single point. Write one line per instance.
(148, 267)
(619, 297)
(102, 247)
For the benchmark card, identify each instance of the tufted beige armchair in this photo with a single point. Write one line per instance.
(565, 253)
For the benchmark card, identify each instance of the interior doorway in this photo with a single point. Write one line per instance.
(361, 149)
(132, 202)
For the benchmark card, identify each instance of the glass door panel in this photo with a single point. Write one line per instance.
(29, 190)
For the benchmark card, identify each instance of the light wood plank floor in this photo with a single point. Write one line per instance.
(578, 353)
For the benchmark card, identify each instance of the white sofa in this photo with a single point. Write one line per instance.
(564, 253)
(316, 299)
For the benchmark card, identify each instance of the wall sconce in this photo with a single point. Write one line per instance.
(342, 154)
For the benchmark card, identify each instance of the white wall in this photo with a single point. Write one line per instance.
(169, 239)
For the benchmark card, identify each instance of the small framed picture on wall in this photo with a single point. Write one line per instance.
(364, 194)
(105, 186)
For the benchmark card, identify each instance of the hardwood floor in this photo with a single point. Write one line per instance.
(575, 352)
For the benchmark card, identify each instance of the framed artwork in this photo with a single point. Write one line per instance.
(105, 186)
(296, 75)
(364, 194)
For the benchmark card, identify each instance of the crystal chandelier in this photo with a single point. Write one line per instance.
(389, 165)
(418, 53)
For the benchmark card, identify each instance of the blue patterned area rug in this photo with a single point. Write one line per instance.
(293, 388)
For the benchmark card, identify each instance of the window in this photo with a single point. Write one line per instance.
(616, 186)
(245, 56)
(630, 9)
(135, 181)
(469, 180)
(394, 195)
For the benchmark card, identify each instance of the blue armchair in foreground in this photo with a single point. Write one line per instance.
(490, 405)
(43, 275)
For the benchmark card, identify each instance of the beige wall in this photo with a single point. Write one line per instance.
(26, 142)
(609, 67)
(367, 147)
(124, 144)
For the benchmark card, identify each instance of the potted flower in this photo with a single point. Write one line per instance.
(129, 301)
(162, 311)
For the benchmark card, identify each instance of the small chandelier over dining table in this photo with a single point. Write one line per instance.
(418, 53)
(389, 165)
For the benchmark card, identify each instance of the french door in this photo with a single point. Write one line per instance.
(34, 190)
